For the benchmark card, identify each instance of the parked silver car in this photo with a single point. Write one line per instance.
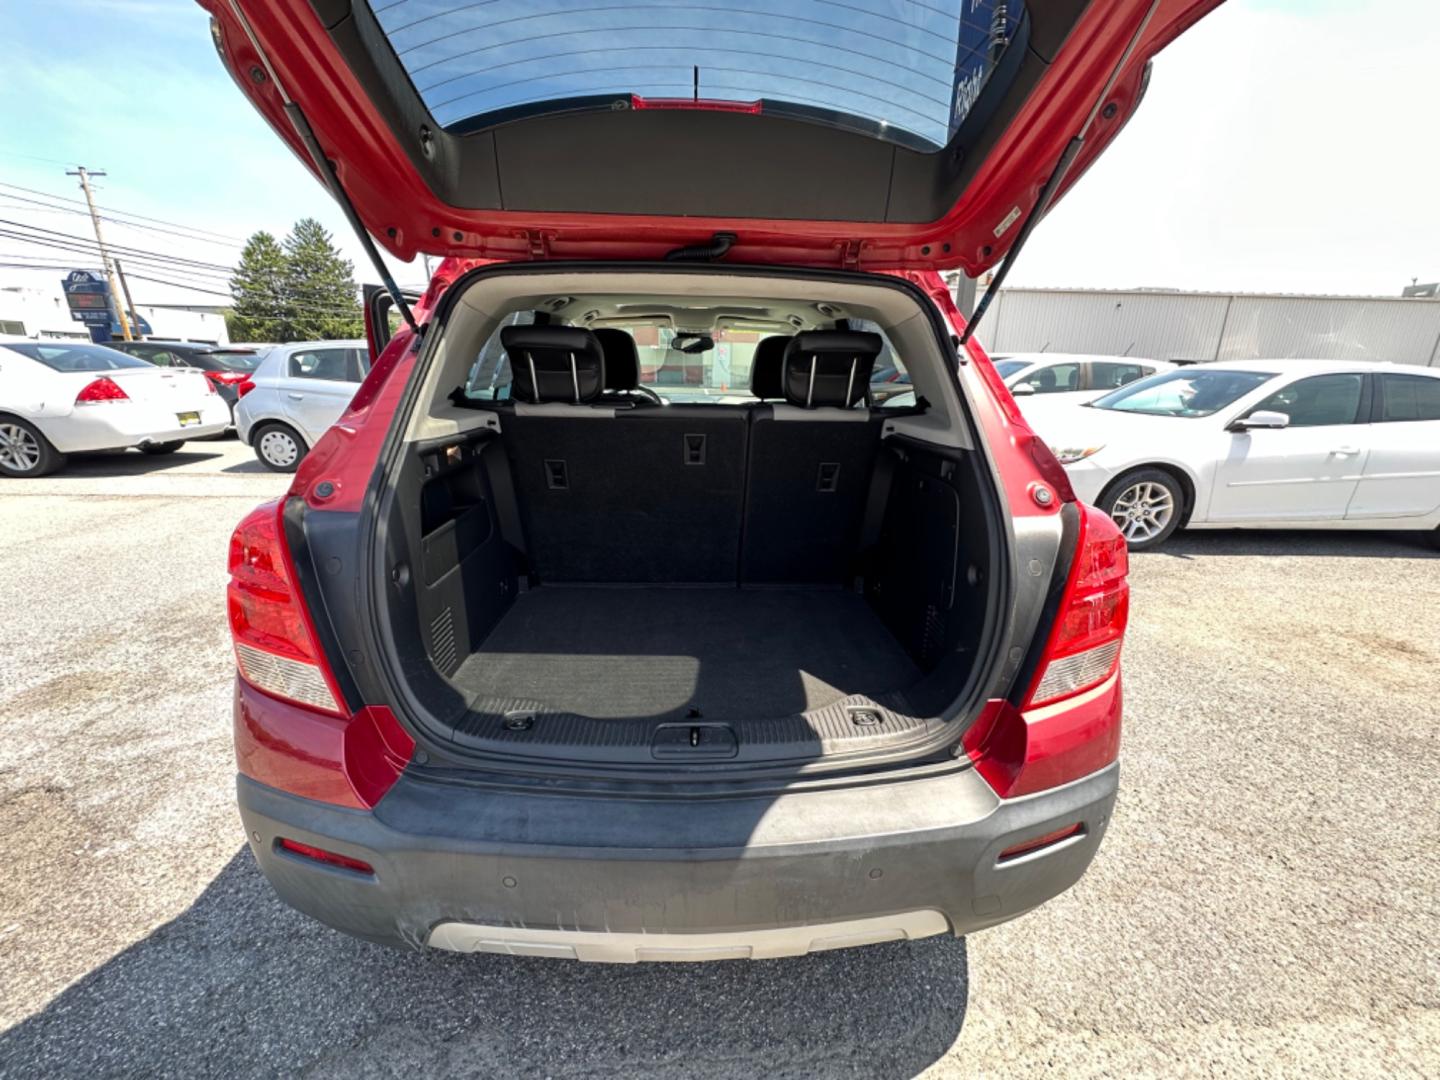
(298, 391)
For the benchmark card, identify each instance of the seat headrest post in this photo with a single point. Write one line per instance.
(534, 382)
(575, 378)
(810, 392)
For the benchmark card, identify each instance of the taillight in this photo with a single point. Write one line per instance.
(1069, 724)
(274, 645)
(101, 390)
(244, 387)
(1084, 647)
(225, 378)
(292, 731)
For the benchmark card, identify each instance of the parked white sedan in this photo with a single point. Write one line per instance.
(298, 391)
(62, 397)
(1260, 444)
(1070, 377)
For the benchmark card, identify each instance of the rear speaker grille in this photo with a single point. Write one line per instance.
(442, 642)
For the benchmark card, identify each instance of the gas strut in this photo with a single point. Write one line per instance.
(328, 175)
(332, 181)
(1052, 185)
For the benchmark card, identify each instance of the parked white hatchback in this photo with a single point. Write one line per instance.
(1260, 444)
(64, 397)
(298, 391)
(1070, 377)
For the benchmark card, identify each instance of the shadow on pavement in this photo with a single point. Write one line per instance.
(241, 985)
(252, 466)
(1333, 543)
(133, 462)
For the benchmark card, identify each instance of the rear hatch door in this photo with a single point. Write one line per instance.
(874, 133)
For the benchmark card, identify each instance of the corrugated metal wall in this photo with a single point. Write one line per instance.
(1214, 326)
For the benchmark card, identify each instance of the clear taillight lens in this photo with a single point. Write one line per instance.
(1084, 647)
(274, 647)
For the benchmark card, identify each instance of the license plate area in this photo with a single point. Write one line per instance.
(188, 419)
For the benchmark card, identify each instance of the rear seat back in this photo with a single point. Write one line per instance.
(811, 461)
(618, 495)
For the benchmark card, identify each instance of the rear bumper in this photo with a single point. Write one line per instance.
(117, 425)
(628, 879)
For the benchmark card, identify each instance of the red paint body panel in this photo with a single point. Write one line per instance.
(407, 218)
(317, 756)
(1022, 753)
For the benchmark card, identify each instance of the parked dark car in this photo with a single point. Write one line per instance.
(224, 366)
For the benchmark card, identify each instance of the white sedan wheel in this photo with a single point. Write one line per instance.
(1143, 510)
(19, 450)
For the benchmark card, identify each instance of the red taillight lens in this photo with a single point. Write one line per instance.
(1084, 647)
(225, 378)
(244, 386)
(274, 645)
(330, 858)
(101, 390)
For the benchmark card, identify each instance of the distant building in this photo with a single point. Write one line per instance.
(43, 313)
(1165, 324)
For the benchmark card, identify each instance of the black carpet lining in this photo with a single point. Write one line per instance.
(614, 653)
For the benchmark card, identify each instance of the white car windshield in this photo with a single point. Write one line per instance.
(67, 357)
(1188, 392)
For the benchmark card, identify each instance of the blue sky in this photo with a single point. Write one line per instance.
(1284, 146)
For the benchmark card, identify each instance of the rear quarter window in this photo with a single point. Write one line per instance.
(1409, 397)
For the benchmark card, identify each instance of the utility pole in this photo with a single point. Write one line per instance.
(85, 176)
(129, 302)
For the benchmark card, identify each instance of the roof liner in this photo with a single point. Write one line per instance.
(593, 184)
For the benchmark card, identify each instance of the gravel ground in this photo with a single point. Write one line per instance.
(1265, 902)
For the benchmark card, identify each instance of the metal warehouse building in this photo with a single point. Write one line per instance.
(1196, 326)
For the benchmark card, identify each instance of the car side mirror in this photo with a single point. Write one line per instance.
(1262, 418)
(1023, 389)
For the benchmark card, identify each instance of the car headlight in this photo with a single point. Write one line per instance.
(1068, 455)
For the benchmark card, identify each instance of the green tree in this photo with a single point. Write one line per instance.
(259, 289)
(322, 300)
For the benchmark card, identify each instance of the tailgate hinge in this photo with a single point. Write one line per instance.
(850, 255)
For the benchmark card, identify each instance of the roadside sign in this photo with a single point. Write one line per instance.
(88, 296)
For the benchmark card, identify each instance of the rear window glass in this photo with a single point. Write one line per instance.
(906, 71)
(1409, 397)
(680, 367)
(79, 357)
(1006, 368)
(234, 361)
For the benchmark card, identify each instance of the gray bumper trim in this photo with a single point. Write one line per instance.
(667, 869)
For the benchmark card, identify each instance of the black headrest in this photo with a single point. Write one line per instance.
(622, 359)
(767, 366)
(829, 367)
(553, 363)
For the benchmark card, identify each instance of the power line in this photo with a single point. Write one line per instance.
(90, 252)
(56, 234)
(48, 208)
(124, 213)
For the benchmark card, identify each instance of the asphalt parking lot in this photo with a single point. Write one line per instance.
(1266, 903)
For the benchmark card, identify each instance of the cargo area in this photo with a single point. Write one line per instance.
(617, 547)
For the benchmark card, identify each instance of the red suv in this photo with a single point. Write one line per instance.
(618, 619)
